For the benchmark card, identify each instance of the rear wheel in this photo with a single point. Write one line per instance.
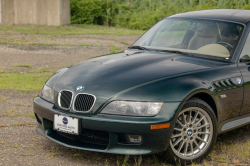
(194, 133)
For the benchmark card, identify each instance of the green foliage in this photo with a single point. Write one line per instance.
(141, 14)
(87, 11)
(23, 82)
(54, 31)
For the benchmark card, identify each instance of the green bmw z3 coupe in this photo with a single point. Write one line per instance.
(183, 82)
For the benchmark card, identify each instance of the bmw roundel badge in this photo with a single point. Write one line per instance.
(239, 81)
(189, 132)
(65, 120)
(80, 88)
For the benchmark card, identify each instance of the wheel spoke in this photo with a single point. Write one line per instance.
(176, 136)
(200, 120)
(203, 126)
(186, 148)
(185, 120)
(198, 146)
(180, 123)
(192, 148)
(177, 129)
(180, 147)
(176, 142)
(190, 116)
(201, 140)
(197, 113)
(203, 133)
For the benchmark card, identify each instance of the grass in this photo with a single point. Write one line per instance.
(3, 99)
(68, 30)
(23, 81)
(19, 104)
(18, 115)
(18, 124)
(124, 42)
(45, 44)
(114, 49)
(79, 155)
(10, 111)
(29, 154)
(22, 124)
(22, 65)
(41, 70)
(121, 41)
(33, 147)
(84, 45)
(54, 154)
(232, 148)
(16, 146)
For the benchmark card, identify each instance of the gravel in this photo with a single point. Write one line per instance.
(20, 144)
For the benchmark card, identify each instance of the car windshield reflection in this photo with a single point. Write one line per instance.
(205, 37)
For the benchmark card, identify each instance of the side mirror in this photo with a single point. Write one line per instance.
(245, 59)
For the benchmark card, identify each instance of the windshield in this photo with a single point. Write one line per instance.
(203, 37)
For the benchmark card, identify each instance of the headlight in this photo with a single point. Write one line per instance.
(47, 94)
(130, 108)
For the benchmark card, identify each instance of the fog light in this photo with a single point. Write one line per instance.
(134, 138)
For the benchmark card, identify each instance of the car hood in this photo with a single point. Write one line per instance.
(106, 76)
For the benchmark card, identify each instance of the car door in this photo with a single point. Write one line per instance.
(244, 66)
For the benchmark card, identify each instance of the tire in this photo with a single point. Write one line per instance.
(192, 140)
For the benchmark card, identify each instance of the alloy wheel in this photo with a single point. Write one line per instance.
(192, 133)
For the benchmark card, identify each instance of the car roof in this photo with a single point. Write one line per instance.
(234, 15)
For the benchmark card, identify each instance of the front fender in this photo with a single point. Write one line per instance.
(173, 89)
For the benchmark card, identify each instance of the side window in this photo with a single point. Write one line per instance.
(245, 54)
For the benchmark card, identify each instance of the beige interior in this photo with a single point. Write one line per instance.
(208, 35)
(203, 42)
(215, 50)
(210, 49)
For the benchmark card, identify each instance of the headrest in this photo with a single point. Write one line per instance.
(208, 30)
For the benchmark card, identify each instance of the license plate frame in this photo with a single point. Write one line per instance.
(66, 124)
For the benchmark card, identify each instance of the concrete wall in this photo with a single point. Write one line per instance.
(64, 9)
(0, 13)
(42, 12)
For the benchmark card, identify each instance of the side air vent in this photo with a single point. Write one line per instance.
(225, 84)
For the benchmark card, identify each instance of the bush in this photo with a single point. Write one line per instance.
(141, 14)
(87, 11)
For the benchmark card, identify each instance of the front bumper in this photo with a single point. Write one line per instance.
(116, 126)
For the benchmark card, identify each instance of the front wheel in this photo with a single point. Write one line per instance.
(194, 133)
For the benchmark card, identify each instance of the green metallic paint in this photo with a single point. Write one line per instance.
(127, 125)
(146, 76)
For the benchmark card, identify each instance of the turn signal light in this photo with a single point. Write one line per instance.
(160, 126)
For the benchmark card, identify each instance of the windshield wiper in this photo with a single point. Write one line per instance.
(175, 52)
(138, 47)
(170, 51)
